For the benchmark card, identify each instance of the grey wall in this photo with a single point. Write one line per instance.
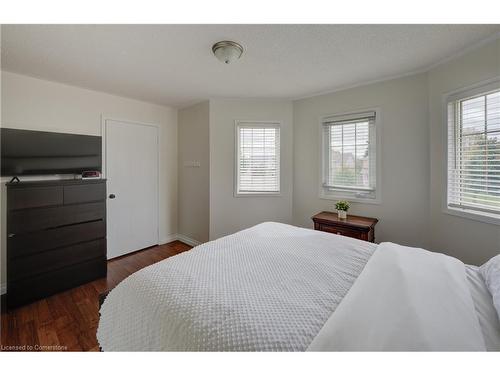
(469, 240)
(193, 182)
(412, 156)
(403, 212)
(229, 214)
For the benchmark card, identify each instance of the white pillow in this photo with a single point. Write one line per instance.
(491, 275)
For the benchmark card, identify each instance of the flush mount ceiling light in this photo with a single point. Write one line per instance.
(227, 51)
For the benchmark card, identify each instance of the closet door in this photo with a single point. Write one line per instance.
(132, 172)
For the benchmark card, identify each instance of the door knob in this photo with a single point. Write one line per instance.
(111, 196)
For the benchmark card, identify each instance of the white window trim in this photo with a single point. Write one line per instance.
(464, 92)
(237, 124)
(336, 195)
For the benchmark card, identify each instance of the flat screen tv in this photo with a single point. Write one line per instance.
(27, 152)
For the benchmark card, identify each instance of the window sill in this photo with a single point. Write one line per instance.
(483, 217)
(257, 194)
(336, 196)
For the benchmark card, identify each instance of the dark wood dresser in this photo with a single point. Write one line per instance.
(56, 237)
(362, 228)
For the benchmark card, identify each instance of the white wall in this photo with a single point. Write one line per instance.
(229, 214)
(193, 182)
(403, 213)
(471, 241)
(29, 103)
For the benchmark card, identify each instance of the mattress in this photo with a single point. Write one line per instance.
(410, 299)
(485, 310)
(267, 288)
(275, 287)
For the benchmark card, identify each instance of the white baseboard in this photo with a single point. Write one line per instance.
(3, 288)
(180, 237)
(188, 240)
(168, 238)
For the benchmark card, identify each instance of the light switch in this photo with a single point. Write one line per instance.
(192, 164)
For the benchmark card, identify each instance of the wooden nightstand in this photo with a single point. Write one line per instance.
(362, 228)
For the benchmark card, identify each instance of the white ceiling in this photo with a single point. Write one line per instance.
(174, 65)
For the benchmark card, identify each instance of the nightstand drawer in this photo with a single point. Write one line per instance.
(341, 231)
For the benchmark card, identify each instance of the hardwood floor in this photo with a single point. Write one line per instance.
(68, 320)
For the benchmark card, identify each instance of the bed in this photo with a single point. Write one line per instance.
(275, 287)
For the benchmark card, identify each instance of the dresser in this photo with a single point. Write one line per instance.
(56, 237)
(362, 228)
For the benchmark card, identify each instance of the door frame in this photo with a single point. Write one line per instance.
(104, 119)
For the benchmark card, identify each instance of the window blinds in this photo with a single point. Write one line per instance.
(474, 152)
(349, 152)
(258, 164)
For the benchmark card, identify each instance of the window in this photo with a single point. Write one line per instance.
(474, 152)
(349, 157)
(258, 158)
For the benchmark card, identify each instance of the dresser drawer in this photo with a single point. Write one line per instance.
(34, 197)
(51, 217)
(84, 193)
(38, 263)
(29, 243)
(43, 285)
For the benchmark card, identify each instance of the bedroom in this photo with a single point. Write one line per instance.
(225, 156)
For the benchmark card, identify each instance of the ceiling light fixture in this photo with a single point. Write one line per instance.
(227, 51)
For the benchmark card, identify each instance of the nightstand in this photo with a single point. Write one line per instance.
(362, 228)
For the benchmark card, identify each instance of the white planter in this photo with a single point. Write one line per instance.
(342, 214)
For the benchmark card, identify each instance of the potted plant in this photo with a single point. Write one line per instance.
(342, 207)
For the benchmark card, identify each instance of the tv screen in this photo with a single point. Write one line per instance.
(27, 152)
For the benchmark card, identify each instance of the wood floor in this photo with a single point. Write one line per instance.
(68, 320)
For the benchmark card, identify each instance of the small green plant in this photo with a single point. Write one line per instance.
(342, 206)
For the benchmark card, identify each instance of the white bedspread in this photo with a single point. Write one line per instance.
(485, 309)
(268, 288)
(405, 299)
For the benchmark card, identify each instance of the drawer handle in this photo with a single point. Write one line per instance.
(10, 235)
(112, 196)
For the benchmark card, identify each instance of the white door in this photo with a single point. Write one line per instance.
(132, 174)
